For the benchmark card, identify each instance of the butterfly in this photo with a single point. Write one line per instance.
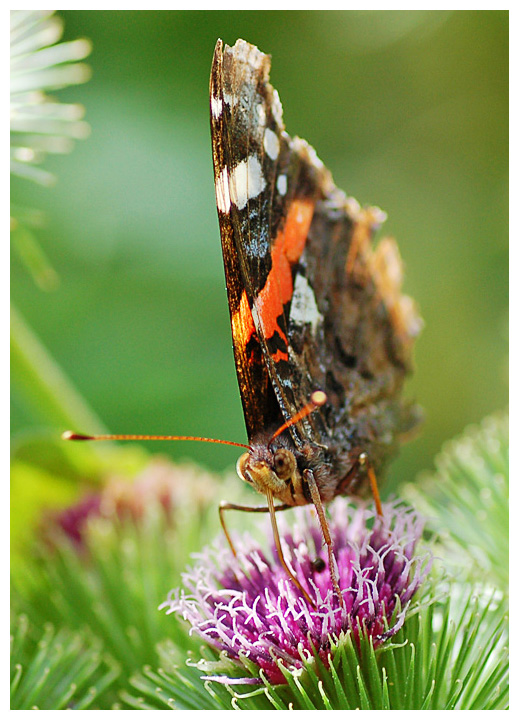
(322, 334)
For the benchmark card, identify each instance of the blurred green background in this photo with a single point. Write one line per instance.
(409, 110)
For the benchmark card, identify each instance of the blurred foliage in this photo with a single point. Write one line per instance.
(39, 123)
(408, 110)
(466, 502)
(113, 587)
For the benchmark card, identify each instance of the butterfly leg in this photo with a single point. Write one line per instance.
(272, 509)
(316, 499)
(243, 508)
(365, 464)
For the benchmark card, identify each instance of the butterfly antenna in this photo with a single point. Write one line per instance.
(68, 435)
(317, 400)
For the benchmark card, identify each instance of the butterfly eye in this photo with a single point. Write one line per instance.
(284, 464)
(241, 468)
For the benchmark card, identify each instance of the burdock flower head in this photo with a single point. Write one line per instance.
(160, 483)
(248, 609)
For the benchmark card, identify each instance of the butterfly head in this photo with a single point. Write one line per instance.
(271, 466)
(272, 469)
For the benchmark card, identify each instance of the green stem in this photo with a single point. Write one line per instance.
(33, 257)
(49, 392)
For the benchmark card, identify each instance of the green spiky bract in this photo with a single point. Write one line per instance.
(443, 658)
(58, 669)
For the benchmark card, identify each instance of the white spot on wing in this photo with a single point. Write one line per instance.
(271, 144)
(229, 98)
(223, 200)
(353, 208)
(277, 110)
(216, 106)
(312, 155)
(247, 181)
(281, 184)
(379, 217)
(255, 316)
(262, 117)
(248, 54)
(304, 310)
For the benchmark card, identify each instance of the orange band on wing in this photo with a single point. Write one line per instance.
(286, 251)
(280, 355)
(242, 323)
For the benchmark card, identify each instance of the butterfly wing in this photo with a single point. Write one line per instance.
(258, 181)
(260, 406)
(325, 308)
